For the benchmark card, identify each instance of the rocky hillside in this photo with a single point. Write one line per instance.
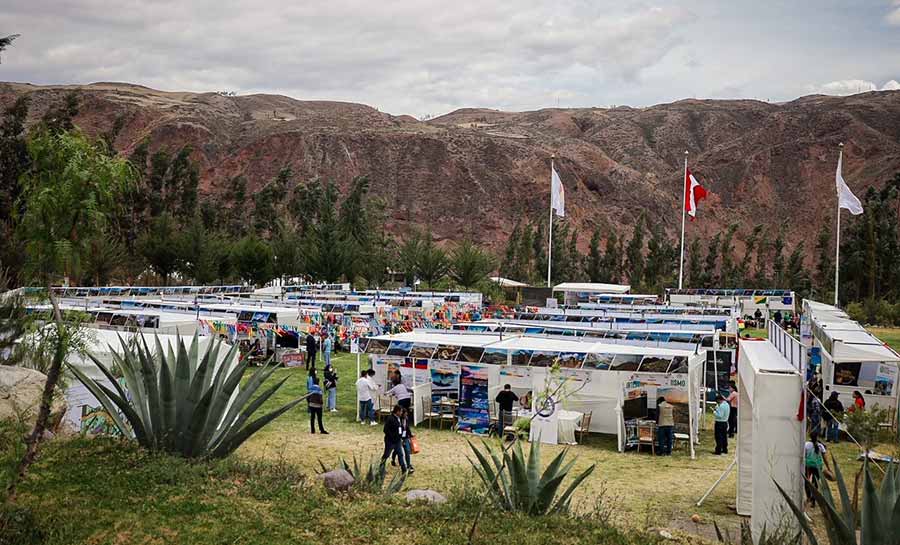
(475, 172)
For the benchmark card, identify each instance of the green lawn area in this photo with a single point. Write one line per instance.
(890, 335)
(105, 491)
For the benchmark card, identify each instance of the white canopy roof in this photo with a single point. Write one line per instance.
(507, 283)
(591, 287)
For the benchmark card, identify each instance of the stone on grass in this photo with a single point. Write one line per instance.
(428, 496)
(337, 480)
(20, 395)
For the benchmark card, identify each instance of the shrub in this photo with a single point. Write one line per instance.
(175, 401)
(856, 312)
(516, 484)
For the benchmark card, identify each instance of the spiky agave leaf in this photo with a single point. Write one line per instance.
(800, 516)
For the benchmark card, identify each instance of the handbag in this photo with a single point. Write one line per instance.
(414, 445)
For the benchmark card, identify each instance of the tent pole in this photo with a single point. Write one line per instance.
(550, 242)
(683, 205)
(718, 481)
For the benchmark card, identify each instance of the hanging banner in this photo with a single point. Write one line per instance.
(444, 380)
(473, 415)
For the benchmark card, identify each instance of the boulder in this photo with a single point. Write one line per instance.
(20, 394)
(337, 480)
(427, 496)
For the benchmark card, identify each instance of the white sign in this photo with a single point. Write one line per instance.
(354, 345)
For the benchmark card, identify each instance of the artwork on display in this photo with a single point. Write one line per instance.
(885, 380)
(97, 421)
(718, 371)
(444, 379)
(473, 415)
(293, 358)
(642, 391)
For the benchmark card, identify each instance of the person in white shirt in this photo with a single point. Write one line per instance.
(364, 397)
(374, 390)
(402, 393)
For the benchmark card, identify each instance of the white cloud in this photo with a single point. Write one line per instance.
(843, 87)
(893, 17)
(892, 85)
(431, 56)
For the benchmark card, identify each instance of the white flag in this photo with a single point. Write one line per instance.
(846, 198)
(557, 194)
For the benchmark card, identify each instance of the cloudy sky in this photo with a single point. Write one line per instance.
(432, 56)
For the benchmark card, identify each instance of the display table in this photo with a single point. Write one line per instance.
(567, 424)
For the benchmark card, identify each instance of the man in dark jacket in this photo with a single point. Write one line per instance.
(394, 431)
(312, 347)
(832, 417)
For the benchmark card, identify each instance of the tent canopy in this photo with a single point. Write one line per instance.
(591, 287)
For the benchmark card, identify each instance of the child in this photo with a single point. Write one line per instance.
(314, 405)
(814, 461)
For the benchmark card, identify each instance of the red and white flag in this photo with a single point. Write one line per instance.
(693, 194)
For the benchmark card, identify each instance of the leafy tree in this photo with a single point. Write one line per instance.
(327, 251)
(199, 252)
(469, 265)
(778, 271)
(695, 265)
(710, 274)
(408, 256)
(595, 259)
(508, 266)
(634, 254)
(253, 260)
(159, 247)
(355, 227)
(750, 246)
(380, 252)
(14, 161)
(539, 252)
(286, 246)
(796, 276)
(67, 192)
(729, 273)
(824, 276)
(576, 260)
(612, 258)
(6, 41)
(524, 269)
(104, 257)
(433, 263)
(266, 199)
(662, 258)
(761, 276)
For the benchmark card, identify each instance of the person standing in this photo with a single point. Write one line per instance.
(401, 392)
(312, 347)
(406, 440)
(393, 430)
(331, 378)
(733, 404)
(832, 417)
(506, 398)
(314, 404)
(373, 391)
(665, 426)
(859, 402)
(722, 412)
(327, 345)
(364, 398)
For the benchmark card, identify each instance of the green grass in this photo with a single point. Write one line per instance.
(889, 335)
(105, 491)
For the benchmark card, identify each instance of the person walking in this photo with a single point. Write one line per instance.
(833, 416)
(665, 426)
(393, 437)
(733, 404)
(364, 398)
(722, 412)
(312, 347)
(374, 390)
(327, 345)
(314, 404)
(406, 440)
(331, 378)
(814, 460)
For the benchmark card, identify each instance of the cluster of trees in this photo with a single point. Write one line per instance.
(648, 259)
(158, 227)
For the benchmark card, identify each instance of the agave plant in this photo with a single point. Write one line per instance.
(371, 479)
(516, 484)
(879, 523)
(177, 401)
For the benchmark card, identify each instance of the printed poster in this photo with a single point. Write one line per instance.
(444, 380)
(473, 415)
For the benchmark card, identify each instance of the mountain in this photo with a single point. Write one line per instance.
(475, 172)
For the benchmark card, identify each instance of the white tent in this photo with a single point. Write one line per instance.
(770, 436)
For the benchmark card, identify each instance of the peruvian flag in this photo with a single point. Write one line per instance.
(693, 193)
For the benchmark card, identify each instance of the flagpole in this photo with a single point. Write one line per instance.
(683, 205)
(837, 236)
(550, 242)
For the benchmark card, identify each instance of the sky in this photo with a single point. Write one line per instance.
(429, 57)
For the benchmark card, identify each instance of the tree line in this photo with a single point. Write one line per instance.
(159, 228)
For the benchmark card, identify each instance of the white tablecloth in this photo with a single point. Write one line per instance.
(568, 423)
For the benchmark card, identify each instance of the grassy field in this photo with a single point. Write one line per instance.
(890, 335)
(101, 491)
